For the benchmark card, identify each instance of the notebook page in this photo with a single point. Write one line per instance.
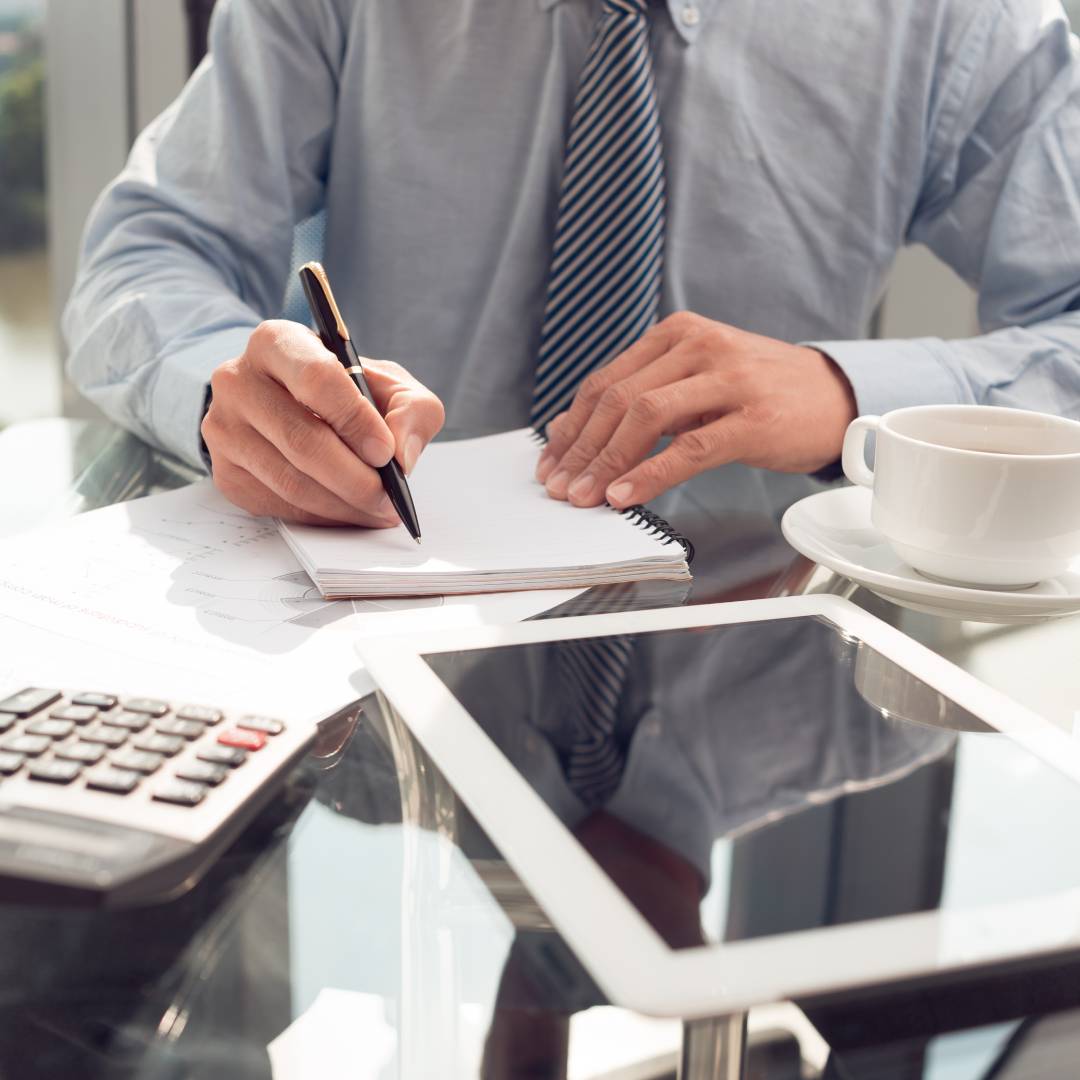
(481, 510)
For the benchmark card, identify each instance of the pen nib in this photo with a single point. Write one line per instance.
(418, 541)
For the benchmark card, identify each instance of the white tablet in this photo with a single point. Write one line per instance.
(732, 804)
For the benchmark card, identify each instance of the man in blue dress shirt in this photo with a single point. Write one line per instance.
(803, 145)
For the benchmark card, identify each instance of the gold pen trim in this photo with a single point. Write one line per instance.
(317, 269)
(356, 369)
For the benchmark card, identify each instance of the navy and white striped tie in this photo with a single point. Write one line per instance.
(604, 283)
(603, 293)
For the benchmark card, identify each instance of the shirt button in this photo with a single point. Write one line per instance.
(690, 15)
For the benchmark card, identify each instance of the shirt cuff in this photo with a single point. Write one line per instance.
(888, 375)
(176, 409)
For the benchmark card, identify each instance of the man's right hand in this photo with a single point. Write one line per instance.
(290, 436)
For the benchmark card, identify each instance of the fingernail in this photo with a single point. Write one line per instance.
(545, 465)
(620, 493)
(557, 485)
(583, 488)
(413, 445)
(376, 452)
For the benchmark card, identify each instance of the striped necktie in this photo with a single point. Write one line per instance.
(604, 282)
(592, 673)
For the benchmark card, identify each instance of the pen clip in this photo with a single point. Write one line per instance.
(322, 303)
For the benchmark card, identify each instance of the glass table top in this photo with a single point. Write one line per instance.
(365, 927)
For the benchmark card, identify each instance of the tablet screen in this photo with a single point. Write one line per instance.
(751, 779)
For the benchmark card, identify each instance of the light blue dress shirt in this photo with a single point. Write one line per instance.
(804, 144)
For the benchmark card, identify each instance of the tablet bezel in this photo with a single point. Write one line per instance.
(626, 957)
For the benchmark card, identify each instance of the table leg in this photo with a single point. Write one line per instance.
(714, 1049)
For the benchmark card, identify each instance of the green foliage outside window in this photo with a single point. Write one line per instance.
(22, 147)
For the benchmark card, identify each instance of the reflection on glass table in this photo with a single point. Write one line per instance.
(367, 896)
(54, 468)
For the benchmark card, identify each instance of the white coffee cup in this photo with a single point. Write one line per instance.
(973, 494)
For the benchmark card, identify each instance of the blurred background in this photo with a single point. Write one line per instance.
(79, 79)
(29, 373)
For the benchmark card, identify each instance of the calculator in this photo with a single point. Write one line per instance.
(112, 800)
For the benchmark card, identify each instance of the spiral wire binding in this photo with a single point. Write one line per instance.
(639, 515)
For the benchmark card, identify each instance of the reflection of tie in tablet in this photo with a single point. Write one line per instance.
(593, 674)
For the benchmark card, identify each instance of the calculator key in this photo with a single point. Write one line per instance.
(10, 762)
(53, 729)
(96, 701)
(29, 701)
(181, 792)
(30, 745)
(186, 729)
(265, 724)
(146, 705)
(140, 761)
(6, 720)
(159, 744)
(132, 721)
(119, 781)
(200, 713)
(243, 740)
(222, 755)
(55, 772)
(77, 714)
(87, 753)
(111, 737)
(203, 772)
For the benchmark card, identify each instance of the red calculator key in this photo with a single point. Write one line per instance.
(243, 740)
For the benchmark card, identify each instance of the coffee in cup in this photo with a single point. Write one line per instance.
(973, 494)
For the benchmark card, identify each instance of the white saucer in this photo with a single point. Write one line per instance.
(833, 528)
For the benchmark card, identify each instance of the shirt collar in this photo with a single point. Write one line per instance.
(688, 16)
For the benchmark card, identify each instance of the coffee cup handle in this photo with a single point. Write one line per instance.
(853, 457)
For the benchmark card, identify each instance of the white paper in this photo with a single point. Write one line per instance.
(184, 588)
(487, 524)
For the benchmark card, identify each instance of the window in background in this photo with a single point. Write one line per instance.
(29, 371)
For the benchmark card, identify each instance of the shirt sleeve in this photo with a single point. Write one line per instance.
(1000, 204)
(188, 249)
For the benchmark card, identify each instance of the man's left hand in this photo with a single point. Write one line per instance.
(724, 394)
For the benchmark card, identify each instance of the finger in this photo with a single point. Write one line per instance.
(259, 457)
(563, 431)
(412, 412)
(296, 358)
(243, 490)
(680, 407)
(717, 443)
(312, 446)
(685, 406)
(639, 394)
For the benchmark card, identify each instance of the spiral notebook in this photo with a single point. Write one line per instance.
(488, 526)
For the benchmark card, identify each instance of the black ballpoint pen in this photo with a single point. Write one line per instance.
(335, 336)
